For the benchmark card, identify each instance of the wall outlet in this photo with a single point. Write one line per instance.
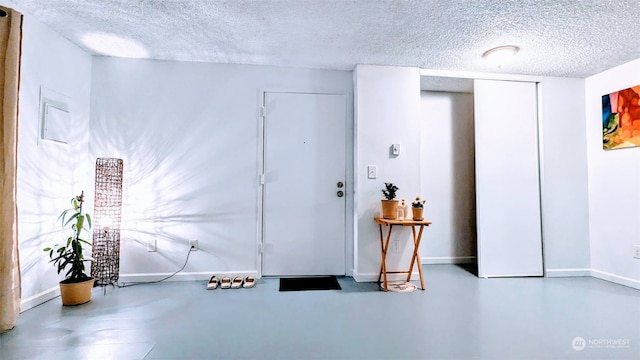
(193, 245)
(396, 246)
(636, 251)
(152, 245)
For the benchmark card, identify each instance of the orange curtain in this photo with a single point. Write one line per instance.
(10, 41)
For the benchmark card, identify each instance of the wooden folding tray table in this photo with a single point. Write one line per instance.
(384, 245)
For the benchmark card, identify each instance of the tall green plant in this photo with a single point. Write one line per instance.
(70, 255)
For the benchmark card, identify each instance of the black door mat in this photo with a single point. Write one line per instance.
(309, 283)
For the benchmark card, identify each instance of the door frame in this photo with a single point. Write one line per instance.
(349, 173)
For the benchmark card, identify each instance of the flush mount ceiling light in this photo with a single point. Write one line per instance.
(113, 45)
(500, 55)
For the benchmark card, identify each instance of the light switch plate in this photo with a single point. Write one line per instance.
(372, 171)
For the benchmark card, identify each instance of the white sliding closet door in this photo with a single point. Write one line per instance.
(507, 179)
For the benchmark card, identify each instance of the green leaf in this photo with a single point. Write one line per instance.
(62, 214)
(88, 220)
(46, 249)
(71, 218)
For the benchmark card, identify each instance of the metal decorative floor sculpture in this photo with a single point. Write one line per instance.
(106, 221)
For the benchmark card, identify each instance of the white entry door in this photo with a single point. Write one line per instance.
(303, 216)
(507, 179)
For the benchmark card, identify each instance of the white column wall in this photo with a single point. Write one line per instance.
(387, 111)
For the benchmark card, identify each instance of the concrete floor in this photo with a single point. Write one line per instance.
(459, 316)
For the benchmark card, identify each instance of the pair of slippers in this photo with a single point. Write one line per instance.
(227, 283)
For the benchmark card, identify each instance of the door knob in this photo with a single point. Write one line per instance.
(339, 184)
(340, 193)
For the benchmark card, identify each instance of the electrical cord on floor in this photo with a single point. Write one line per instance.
(157, 281)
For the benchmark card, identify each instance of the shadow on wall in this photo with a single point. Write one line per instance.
(180, 182)
(463, 160)
(45, 180)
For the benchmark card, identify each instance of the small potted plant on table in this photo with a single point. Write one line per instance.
(389, 204)
(417, 208)
(75, 289)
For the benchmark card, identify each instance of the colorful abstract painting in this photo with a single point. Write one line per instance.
(621, 119)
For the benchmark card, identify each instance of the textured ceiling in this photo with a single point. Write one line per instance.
(568, 38)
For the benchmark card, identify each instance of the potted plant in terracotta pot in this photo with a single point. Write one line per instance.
(389, 204)
(417, 208)
(76, 288)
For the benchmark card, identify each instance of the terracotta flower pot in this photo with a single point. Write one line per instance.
(389, 209)
(76, 293)
(417, 213)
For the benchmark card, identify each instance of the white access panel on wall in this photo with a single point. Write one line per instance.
(507, 179)
(57, 122)
(55, 116)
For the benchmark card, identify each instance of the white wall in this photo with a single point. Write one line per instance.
(387, 110)
(188, 135)
(614, 185)
(49, 174)
(447, 177)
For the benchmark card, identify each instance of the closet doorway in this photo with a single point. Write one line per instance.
(480, 167)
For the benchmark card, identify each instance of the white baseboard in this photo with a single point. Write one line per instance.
(373, 277)
(188, 276)
(524, 275)
(620, 280)
(415, 276)
(358, 278)
(35, 300)
(448, 260)
(567, 272)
